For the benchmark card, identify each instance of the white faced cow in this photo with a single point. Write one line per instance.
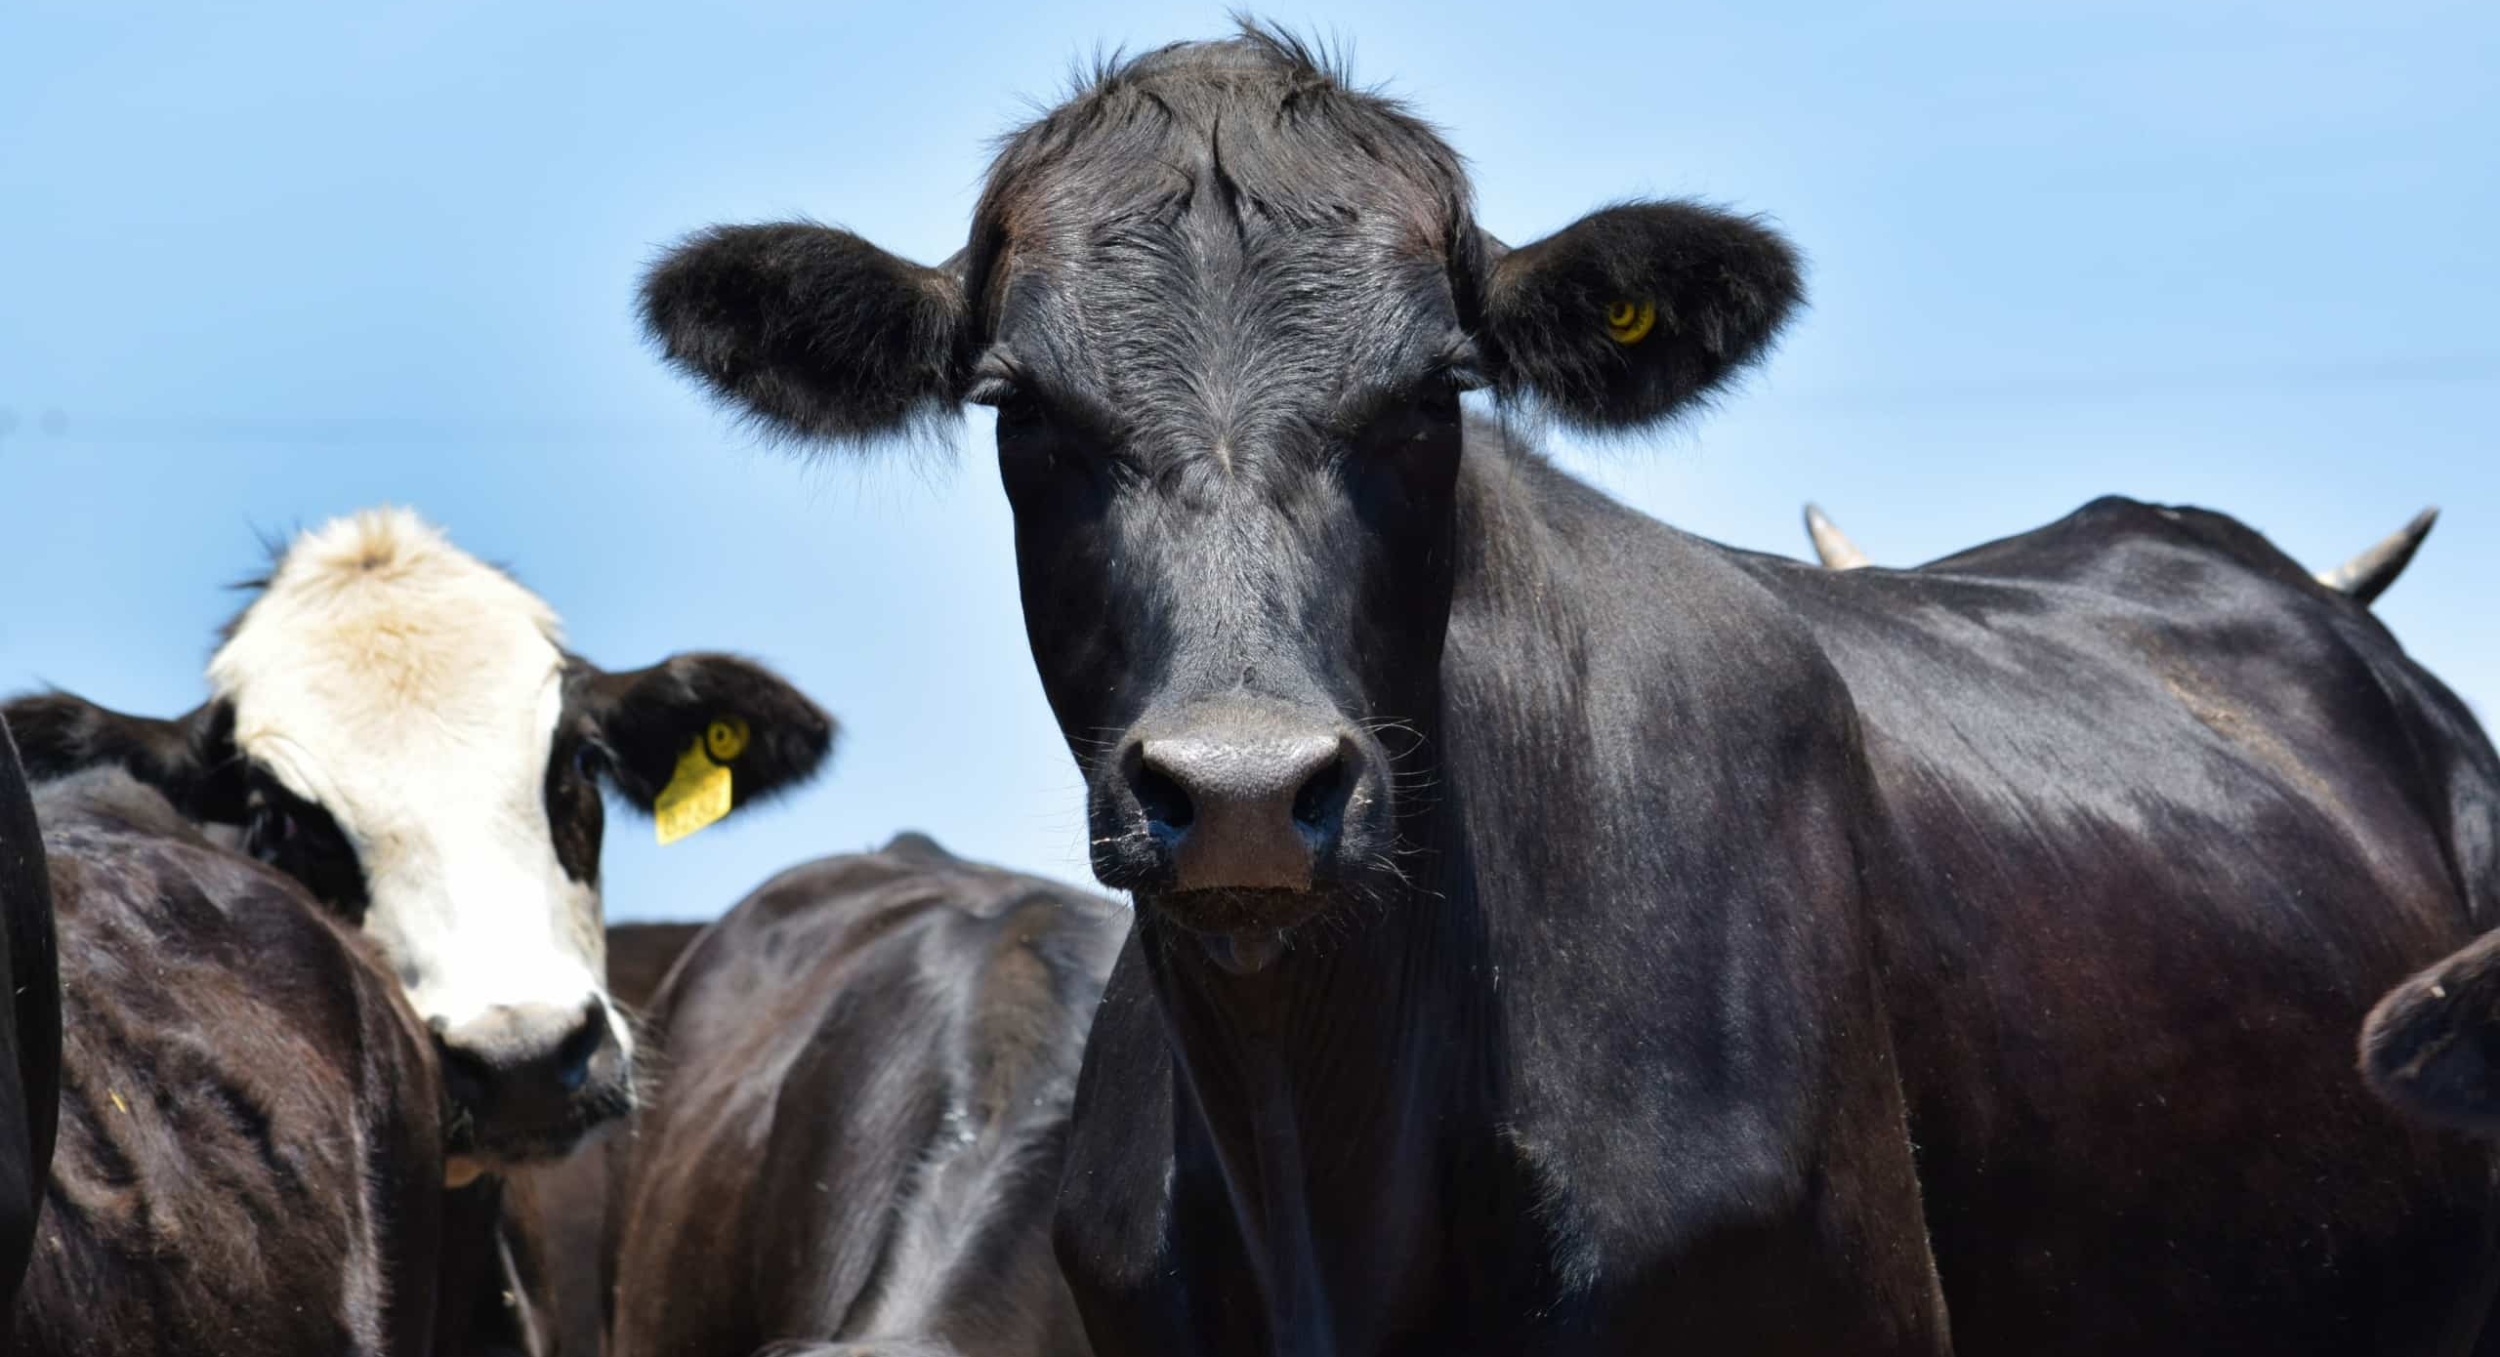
(398, 725)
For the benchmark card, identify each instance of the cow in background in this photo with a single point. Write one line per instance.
(2432, 1046)
(856, 1147)
(251, 1142)
(398, 726)
(2361, 579)
(395, 732)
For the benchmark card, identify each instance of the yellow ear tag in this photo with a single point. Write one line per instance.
(726, 738)
(695, 797)
(1631, 322)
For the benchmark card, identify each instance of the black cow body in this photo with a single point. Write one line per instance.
(250, 1151)
(30, 1025)
(1561, 935)
(2110, 833)
(857, 1140)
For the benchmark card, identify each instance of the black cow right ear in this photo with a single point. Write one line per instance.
(1628, 314)
(2432, 1046)
(191, 758)
(814, 331)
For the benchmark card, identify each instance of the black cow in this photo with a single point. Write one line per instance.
(30, 1025)
(250, 1157)
(857, 1142)
(1559, 934)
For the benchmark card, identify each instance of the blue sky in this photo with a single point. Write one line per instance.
(261, 264)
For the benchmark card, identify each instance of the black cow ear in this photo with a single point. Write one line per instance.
(1632, 311)
(814, 331)
(2429, 1047)
(751, 721)
(191, 758)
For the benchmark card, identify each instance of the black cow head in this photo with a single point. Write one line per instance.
(2432, 1046)
(396, 725)
(1225, 306)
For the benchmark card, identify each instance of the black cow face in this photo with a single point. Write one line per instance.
(1225, 308)
(395, 726)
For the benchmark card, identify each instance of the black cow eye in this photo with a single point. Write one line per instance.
(1020, 415)
(585, 760)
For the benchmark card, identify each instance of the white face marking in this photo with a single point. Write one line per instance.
(413, 693)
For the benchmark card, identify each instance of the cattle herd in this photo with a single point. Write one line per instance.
(1552, 933)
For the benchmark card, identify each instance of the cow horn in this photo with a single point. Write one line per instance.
(1833, 545)
(2367, 575)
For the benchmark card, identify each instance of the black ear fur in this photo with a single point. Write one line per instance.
(191, 759)
(646, 718)
(1720, 286)
(812, 330)
(2432, 1046)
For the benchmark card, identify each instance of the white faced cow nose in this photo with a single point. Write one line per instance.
(1244, 808)
(524, 1071)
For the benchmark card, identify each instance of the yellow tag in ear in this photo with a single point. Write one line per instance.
(695, 797)
(1631, 322)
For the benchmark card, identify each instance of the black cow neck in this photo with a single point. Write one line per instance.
(1337, 1090)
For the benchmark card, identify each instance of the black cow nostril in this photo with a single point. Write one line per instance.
(1322, 796)
(1165, 801)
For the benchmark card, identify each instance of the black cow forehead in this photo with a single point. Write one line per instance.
(1258, 127)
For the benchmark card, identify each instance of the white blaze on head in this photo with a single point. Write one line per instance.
(413, 692)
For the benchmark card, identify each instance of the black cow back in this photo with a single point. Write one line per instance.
(249, 1157)
(858, 1136)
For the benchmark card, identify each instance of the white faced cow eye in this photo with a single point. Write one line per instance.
(585, 759)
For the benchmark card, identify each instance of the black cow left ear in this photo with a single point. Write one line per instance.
(1630, 312)
(745, 717)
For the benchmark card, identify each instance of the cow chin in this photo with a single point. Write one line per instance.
(475, 1144)
(1242, 930)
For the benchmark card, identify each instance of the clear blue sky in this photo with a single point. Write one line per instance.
(260, 264)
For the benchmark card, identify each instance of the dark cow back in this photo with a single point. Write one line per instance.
(250, 1154)
(2161, 819)
(30, 1026)
(859, 1134)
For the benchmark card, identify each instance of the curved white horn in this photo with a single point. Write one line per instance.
(1831, 545)
(2367, 575)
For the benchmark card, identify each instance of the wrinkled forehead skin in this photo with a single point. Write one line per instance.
(1220, 241)
(413, 692)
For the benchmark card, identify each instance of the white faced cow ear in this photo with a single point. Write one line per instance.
(191, 758)
(812, 331)
(1631, 312)
(735, 714)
